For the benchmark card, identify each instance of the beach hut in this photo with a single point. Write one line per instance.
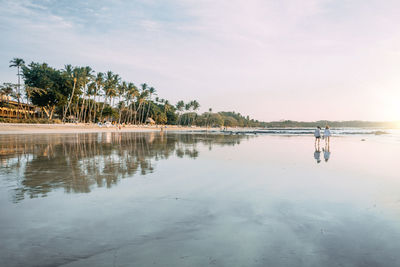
(150, 121)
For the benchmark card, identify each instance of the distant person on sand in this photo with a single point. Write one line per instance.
(317, 135)
(327, 134)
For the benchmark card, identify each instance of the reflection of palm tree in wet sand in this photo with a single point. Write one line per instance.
(79, 162)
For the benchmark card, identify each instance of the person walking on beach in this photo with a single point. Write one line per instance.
(327, 134)
(317, 135)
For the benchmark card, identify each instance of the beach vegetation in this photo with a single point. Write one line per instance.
(81, 95)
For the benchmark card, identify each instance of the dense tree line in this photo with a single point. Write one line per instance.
(228, 119)
(79, 94)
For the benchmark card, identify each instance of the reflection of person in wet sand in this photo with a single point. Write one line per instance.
(317, 154)
(327, 152)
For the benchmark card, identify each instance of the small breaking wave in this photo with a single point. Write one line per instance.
(304, 131)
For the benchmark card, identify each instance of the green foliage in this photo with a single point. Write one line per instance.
(110, 113)
(157, 114)
(172, 117)
(51, 81)
(17, 62)
(79, 94)
(230, 121)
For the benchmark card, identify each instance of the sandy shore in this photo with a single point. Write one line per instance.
(21, 128)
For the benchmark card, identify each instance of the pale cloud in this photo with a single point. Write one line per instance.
(304, 60)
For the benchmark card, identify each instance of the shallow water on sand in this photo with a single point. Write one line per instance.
(153, 199)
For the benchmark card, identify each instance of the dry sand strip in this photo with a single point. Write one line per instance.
(22, 128)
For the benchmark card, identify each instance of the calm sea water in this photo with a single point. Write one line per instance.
(153, 199)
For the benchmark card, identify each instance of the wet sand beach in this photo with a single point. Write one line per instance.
(177, 199)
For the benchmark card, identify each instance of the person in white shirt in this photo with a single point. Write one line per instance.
(327, 134)
(317, 135)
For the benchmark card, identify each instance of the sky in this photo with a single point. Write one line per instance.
(272, 60)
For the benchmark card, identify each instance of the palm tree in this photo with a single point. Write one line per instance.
(69, 71)
(91, 92)
(99, 81)
(151, 92)
(167, 106)
(86, 78)
(110, 89)
(113, 89)
(18, 63)
(131, 93)
(208, 116)
(79, 75)
(179, 107)
(122, 88)
(187, 108)
(142, 99)
(195, 106)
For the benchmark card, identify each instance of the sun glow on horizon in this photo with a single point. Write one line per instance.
(391, 107)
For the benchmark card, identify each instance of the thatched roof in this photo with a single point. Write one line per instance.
(150, 120)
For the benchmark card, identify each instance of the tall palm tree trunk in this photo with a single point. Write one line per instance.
(138, 111)
(95, 109)
(18, 92)
(70, 100)
(134, 112)
(83, 103)
(148, 109)
(102, 109)
(91, 104)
